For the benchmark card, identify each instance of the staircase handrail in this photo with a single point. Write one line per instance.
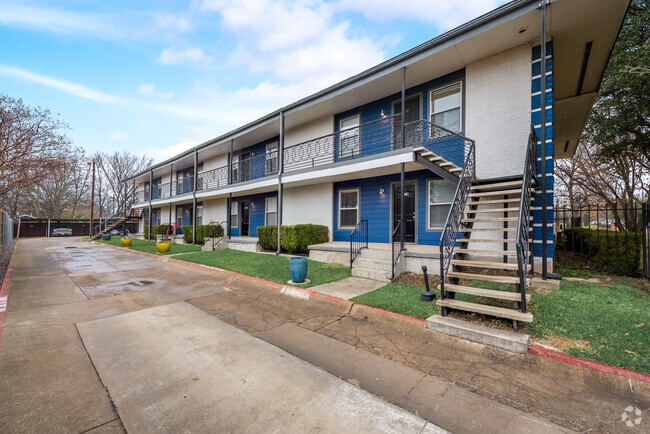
(522, 239)
(358, 240)
(211, 227)
(454, 218)
(396, 250)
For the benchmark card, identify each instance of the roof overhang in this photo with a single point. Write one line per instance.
(571, 25)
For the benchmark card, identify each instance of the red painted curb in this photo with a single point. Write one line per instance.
(578, 361)
(4, 300)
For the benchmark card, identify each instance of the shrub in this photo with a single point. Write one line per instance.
(294, 238)
(617, 252)
(268, 237)
(202, 231)
(156, 230)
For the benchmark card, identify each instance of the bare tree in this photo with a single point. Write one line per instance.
(31, 141)
(115, 168)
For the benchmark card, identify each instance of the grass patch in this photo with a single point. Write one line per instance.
(150, 246)
(399, 298)
(269, 267)
(611, 320)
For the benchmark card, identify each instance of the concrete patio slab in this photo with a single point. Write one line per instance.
(348, 288)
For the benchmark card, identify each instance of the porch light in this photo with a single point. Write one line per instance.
(252, 204)
(383, 115)
(381, 191)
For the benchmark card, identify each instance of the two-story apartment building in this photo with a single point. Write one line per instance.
(343, 158)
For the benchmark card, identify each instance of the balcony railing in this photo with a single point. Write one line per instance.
(373, 138)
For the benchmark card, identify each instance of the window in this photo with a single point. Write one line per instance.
(146, 191)
(348, 209)
(271, 158)
(199, 215)
(155, 216)
(233, 214)
(445, 107)
(349, 144)
(234, 168)
(271, 211)
(440, 195)
(179, 216)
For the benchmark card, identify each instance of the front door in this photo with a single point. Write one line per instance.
(244, 212)
(409, 211)
(411, 115)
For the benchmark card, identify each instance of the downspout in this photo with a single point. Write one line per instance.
(228, 218)
(280, 170)
(48, 228)
(149, 213)
(543, 140)
(196, 177)
(403, 134)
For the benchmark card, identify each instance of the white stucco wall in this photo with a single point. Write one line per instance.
(497, 111)
(215, 162)
(214, 209)
(309, 204)
(306, 132)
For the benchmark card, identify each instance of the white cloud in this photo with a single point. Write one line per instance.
(118, 136)
(149, 90)
(446, 14)
(161, 154)
(173, 22)
(65, 86)
(173, 56)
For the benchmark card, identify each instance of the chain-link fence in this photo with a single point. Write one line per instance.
(6, 229)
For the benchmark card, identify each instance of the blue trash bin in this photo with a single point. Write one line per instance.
(298, 269)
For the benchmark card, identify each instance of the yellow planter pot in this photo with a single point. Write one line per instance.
(126, 242)
(163, 247)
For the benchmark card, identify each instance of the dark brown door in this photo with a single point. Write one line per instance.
(245, 218)
(409, 211)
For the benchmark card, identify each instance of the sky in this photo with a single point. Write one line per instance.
(157, 77)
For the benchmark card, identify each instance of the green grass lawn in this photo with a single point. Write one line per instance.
(150, 246)
(269, 267)
(606, 321)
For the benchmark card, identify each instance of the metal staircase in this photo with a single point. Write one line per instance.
(488, 238)
(115, 222)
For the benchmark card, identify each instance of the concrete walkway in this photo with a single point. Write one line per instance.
(348, 288)
(102, 339)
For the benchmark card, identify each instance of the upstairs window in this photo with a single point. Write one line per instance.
(234, 168)
(446, 107)
(271, 158)
(349, 143)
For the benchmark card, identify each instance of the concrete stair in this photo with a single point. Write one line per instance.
(373, 264)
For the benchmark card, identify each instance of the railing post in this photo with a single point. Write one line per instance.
(148, 213)
(543, 140)
(280, 186)
(194, 179)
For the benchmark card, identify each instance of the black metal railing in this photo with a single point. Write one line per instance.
(396, 246)
(372, 138)
(358, 240)
(523, 239)
(449, 234)
(603, 237)
(215, 231)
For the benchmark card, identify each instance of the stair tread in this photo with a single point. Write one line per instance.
(497, 185)
(491, 219)
(485, 240)
(487, 264)
(510, 229)
(486, 310)
(472, 276)
(496, 193)
(487, 252)
(482, 292)
(493, 201)
(490, 210)
(456, 169)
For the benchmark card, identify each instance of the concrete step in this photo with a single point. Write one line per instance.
(499, 312)
(373, 264)
(482, 292)
(378, 255)
(369, 273)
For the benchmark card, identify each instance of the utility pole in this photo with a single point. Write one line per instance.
(92, 202)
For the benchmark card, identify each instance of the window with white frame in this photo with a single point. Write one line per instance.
(271, 217)
(179, 216)
(199, 215)
(446, 107)
(271, 158)
(234, 168)
(234, 220)
(348, 208)
(349, 140)
(439, 197)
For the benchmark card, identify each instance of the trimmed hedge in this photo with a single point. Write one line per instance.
(156, 230)
(293, 238)
(615, 252)
(212, 231)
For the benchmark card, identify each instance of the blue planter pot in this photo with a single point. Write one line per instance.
(106, 237)
(298, 269)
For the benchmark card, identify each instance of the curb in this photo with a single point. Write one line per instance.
(585, 363)
(4, 298)
(532, 349)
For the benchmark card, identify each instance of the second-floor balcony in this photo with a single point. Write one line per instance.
(369, 140)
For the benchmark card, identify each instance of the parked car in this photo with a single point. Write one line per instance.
(116, 232)
(62, 232)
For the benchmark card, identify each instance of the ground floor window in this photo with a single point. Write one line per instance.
(348, 208)
(179, 216)
(271, 217)
(440, 194)
(199, 215)
(155, 216)
(234, 206)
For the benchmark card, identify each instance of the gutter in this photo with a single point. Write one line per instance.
(493, 15)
